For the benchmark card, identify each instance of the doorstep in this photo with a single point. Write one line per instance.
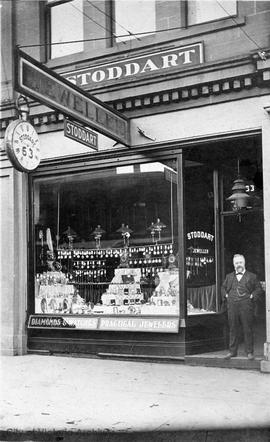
(216, 359)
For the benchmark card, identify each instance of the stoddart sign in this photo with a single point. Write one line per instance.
(134, 68)
(42, 84)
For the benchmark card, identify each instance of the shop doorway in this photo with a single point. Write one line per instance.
(246, 237)
(234, 231)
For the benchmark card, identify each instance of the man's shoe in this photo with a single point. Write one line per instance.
(250, 356)
(230, 355)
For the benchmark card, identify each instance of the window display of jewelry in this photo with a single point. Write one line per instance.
(84, 266)
(112, 286)
(96, 281)
(53, 293)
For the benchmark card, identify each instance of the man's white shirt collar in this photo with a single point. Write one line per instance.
(239, 277)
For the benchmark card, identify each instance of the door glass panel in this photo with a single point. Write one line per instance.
(200, 239)
(246, 237)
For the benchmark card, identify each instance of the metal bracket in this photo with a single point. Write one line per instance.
(142, 132)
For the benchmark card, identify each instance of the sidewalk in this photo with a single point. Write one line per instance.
(52, 393)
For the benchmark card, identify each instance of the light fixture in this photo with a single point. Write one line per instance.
(239, 198)
(125, 232)
(156, 228)
(23, 107)
(98, 232)
(152, 231)
(71, 235)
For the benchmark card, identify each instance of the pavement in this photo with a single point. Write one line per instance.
(69, 398)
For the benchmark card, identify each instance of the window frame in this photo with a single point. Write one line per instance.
(48, 28)
(92, 167)
(215, 19)
(110, 25)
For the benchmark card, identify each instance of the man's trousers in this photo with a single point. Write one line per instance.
(241, 314)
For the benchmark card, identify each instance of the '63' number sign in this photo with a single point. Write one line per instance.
(22, 146)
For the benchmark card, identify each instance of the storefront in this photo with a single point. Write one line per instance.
(129, 249)
(119, 241)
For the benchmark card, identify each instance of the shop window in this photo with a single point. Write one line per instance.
(106, 242)
(200, 239)
(201, 11)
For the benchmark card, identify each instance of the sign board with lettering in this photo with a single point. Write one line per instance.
(42, 84)
(63, 322)
(134, 68)
(123, 323)
(158, 325)
(200, 234)
(81, 134)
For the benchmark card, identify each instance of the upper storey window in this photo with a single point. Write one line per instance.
(135, 16)
(201, 11)
(66, 25)
(86, 25)
(78, 25)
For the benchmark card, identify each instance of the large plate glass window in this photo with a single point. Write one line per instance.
(106, 242)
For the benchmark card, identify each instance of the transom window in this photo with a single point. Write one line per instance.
(83, 25)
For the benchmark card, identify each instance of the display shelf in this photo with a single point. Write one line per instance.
(83, 266)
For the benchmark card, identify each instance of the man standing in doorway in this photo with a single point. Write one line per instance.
(240, 288)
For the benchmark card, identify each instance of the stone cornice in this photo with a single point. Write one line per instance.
(181, 96)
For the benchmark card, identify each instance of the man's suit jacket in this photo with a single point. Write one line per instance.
(249, 279)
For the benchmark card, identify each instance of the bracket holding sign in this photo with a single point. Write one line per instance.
(42, 84)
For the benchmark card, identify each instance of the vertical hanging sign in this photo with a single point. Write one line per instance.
(40, 83)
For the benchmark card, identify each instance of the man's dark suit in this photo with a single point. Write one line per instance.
(241, 307)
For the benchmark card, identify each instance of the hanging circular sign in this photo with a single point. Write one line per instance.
(22, 145)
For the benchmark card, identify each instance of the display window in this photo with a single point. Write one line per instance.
(106, 242)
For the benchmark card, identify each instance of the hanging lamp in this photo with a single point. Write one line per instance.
(239, 198)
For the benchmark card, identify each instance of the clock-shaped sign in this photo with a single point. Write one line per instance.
(22, 145)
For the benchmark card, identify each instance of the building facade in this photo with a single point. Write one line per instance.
(114, 248)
